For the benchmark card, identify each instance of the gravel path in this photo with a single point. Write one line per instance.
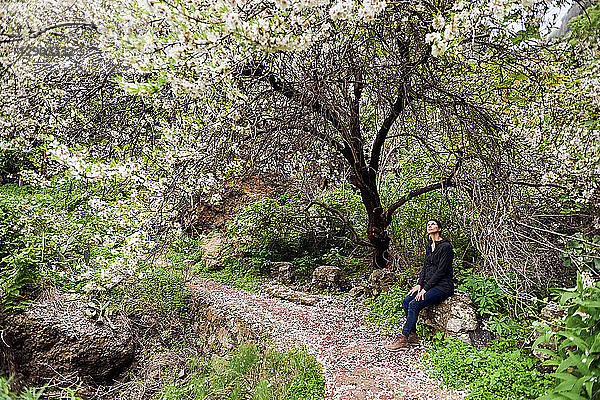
(355, 364)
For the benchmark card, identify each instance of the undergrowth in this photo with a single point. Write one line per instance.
(387, 308)
(249, 373)
(6, 393)
(490, 373)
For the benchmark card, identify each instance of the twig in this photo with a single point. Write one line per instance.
(2, 337)
(344, 218)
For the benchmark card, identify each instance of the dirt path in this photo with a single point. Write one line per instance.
(355, 364)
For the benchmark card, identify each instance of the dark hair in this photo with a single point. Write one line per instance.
(437, 222)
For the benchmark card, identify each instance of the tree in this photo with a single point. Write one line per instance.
(360, 79)
(344, 90)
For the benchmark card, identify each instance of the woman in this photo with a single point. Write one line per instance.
(435, 284)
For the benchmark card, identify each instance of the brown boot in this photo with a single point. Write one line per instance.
(413, 338)
(399, 345)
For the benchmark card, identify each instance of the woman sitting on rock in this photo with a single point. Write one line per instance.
(435, 284)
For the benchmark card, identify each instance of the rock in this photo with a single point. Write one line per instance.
(327, 277)
(539, 330)
(480, 337)
(294, 296)
(284, 272)
(382, 278)
(212, 248)
(455, 314)
(380, 281)
(458, 318)
(356, 291)
(55, 336)
(553, 311)
(213, 264)
(550, 312)
(218, 328)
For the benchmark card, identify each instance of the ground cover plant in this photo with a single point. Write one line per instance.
(489, 373)
(249, 372)
(503, 370)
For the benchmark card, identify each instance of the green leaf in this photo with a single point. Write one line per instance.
(589, 386)
(565, 377)
(573, 396)
(571, 338)
(596, 345)
(553, 396)
(569, 362)
(544, 338)
(590, 304)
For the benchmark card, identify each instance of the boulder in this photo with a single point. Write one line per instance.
(356, 291)
(327, 277)
(58, 336)
(294, 296)
(283, 272)
(553, 311)
(550, 313)
(458, 317)
(380, 281)
(539, 330)
(212, 248)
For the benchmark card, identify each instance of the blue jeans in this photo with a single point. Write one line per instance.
(412, 307)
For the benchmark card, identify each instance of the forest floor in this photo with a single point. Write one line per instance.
(355, 363)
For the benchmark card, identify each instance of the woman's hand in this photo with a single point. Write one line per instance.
(416, 289)
(420, 295)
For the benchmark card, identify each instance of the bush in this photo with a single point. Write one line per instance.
(585, 25)
(275, 228)
(166, 289)
(21, 250)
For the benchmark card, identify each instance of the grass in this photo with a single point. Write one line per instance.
(249, 372)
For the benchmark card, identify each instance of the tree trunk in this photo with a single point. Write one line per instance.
(376, 230)
(379, 238)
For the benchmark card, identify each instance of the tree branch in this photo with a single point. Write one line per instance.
(344, 219)
(16, 38)
(396, 110)
(293, 94)
(446, 182)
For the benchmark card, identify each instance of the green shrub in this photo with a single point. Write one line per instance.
(21, 251)
(586, 24)
(166, 289)
(489, 298)
(186, 248)
(492, 303)
(577, 359)
(274, 227)
(284, 229)
(14, 161)
(489, 373)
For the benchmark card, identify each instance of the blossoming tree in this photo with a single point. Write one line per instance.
(362, 79)
(352, 87)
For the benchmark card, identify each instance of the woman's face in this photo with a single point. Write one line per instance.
(432, 227)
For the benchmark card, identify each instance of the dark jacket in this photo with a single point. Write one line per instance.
(437, 268)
